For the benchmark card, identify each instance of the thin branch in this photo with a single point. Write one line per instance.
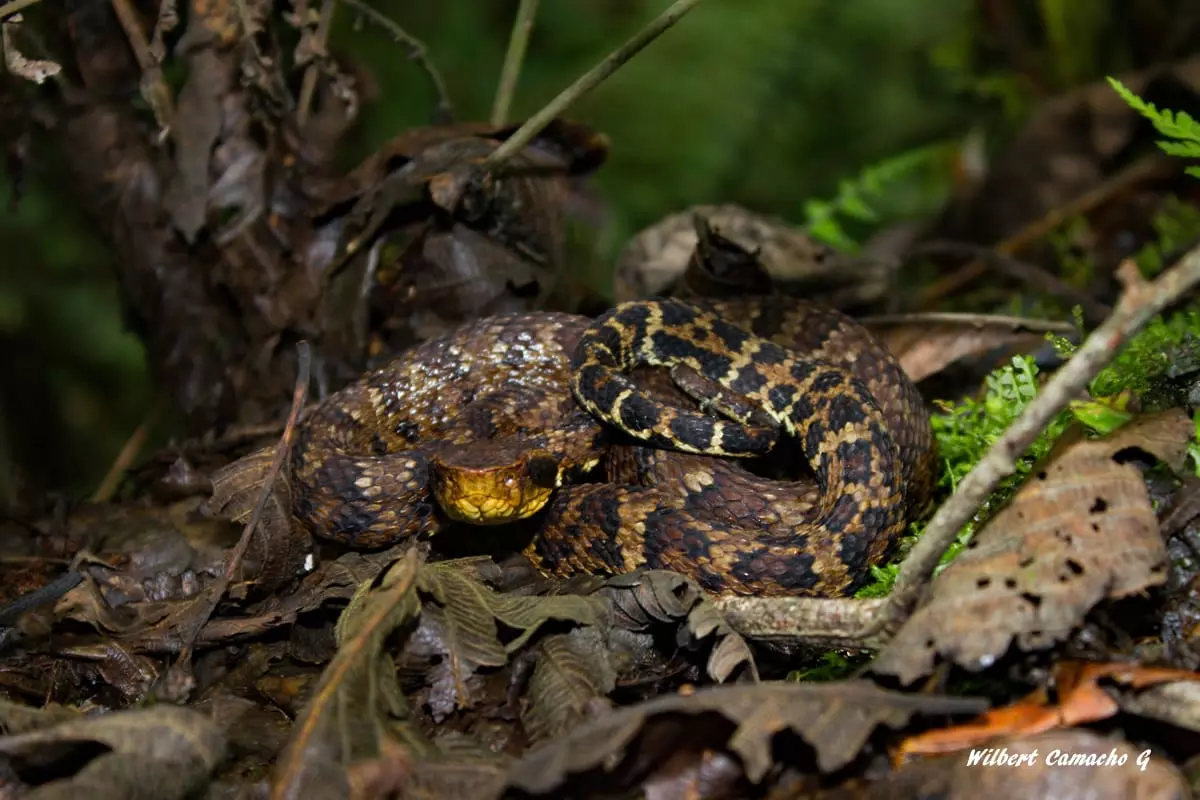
(1138, 303)
(511, 71)
(588, 81)
(317, 51)
(1140, 170)
(299, 394)
(816, 621)
(1029, 274)
(417, 52)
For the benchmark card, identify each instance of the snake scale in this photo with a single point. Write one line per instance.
(510, 416)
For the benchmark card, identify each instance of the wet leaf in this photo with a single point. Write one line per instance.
(926, 344)
(160, 752)
(1079, 531)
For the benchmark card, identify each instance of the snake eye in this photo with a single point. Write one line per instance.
(543, 471)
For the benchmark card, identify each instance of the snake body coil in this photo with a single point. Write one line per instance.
(485, 424)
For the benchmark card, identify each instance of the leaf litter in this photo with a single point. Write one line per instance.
(445, 678)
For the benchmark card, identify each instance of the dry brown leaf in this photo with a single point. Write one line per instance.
(278, 547)
(645, 598)
(160, 752)
(573, 676)
(954, 777)
(1079, 531)
(1080, 699)
(926, 344)
(458, 629)
(835, 719)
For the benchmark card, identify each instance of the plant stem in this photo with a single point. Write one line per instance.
(588, 81)
(513, 59)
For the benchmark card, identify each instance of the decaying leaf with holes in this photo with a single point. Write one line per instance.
(630, 746)
(1081, 530)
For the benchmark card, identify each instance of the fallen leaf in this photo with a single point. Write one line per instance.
(835, 719)
(573, 674)
(1079, 531)
(161, 752)
(651, 597)
(458, 629)
(1080, 700)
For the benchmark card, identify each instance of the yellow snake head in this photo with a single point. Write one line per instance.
(493, 483)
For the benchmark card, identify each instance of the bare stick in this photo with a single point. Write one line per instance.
(816, 621)
(1138, 303)
(1140, 170)
(511, 70)
(588, 81)
(417, 52)
(303, 364)
(1029, 274)
(308, 85)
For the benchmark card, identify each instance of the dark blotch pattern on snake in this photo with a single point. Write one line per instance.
(832, 389)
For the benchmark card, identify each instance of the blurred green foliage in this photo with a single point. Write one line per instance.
(766, 103)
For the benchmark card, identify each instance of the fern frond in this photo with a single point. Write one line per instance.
(1179, 125)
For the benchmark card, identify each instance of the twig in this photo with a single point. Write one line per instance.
(303, 362)
(511, 70)
(154, 88)
(1136, 172)
(1138, 303)
(14, 7)
(308, 85)
(838, 622)
(125, 458)
(1029, 274)
(416, 52)
(588, 81)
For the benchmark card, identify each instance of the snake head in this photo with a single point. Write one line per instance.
(493, 483)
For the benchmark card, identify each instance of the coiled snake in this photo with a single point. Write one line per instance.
(480, 425)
